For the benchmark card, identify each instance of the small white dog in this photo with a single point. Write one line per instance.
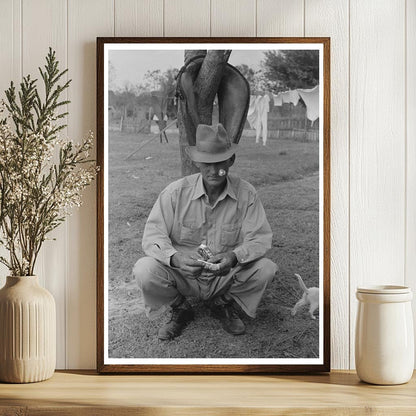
(310, 297)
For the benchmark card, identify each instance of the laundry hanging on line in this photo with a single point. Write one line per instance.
(278, 99)
(291, 96)
(311, 99)
(258, 108)
(252, 112)
(309, 96)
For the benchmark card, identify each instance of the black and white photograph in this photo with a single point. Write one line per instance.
(214, 249)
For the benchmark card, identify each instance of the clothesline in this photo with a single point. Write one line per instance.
(260, 105)
(309, 96)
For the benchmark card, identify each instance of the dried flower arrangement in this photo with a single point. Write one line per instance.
(42, 176)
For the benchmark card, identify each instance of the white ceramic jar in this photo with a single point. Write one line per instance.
(384, 337)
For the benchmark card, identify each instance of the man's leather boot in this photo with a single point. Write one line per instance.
(181, 316)
(228, 316)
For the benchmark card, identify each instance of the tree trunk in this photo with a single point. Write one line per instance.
(207, 82)
(198, 106)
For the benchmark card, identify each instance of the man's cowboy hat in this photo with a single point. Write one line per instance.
(212, 145)
(233, 96)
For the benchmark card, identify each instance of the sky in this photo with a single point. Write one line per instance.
(131, 65)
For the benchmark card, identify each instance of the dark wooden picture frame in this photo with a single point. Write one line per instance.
(322, 363)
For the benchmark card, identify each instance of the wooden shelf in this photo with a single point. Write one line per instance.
(86, 393)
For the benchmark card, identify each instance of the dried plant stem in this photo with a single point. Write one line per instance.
(36, 194)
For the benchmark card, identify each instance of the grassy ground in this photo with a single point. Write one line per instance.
(285, 174)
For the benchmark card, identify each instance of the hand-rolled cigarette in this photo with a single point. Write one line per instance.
(210, 266)
(222, 172)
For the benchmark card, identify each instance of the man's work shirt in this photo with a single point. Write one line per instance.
(182, 219)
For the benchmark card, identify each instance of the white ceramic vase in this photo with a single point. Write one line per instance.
(384, 338)
(27, 331)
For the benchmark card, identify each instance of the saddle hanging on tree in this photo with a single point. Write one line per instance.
(233, 96)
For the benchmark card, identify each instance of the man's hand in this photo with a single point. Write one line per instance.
(226, 261)
(190, 267)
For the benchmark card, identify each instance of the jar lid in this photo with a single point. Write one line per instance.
(384, 289)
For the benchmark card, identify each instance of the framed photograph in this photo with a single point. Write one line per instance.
(213, 205)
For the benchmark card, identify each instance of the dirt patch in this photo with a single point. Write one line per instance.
(285, 174)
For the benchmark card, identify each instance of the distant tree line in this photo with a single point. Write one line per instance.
(283, 70)
(280, 70)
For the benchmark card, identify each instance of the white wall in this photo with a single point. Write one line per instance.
(373, 132)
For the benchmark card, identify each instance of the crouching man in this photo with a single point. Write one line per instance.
(218, 210)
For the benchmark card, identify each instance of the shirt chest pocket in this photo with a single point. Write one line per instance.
(191, 234)
(230, 234)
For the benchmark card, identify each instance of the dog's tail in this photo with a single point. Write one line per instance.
(302, 285)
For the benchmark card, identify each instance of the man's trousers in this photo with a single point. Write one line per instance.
(163, 286)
